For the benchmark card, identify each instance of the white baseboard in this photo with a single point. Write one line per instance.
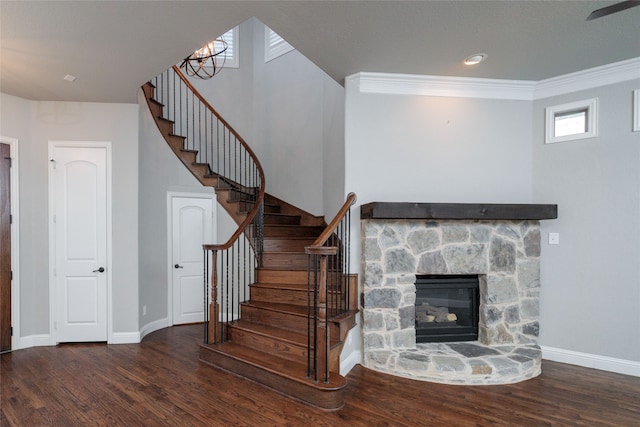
(125, 338)
(154, 326)
(33, 341)
(352, 360)
(604, 363)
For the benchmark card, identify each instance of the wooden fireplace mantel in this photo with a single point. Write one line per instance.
(444, 211)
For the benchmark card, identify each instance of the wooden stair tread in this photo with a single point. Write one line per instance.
(270, 331)
(291, 370)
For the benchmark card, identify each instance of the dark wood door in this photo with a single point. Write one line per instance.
(5, 248)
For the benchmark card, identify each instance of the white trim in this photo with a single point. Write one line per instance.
(15, 239)
(29, 341)
(591, 107)
(355, 358)
(154, 326)
(465, 87)
(636, 110)
(170, 196)
(604, 363)
(125, 338)
(52, 262)
(458, 87)
(616, 72)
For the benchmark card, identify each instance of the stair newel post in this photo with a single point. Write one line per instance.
(214, 331)
(322, 337)
(321, 320)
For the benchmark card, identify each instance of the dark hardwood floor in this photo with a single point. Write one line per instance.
(161, 383)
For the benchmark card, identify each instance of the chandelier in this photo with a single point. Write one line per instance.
(207, 61)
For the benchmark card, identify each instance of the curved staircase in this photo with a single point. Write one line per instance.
(286, 335)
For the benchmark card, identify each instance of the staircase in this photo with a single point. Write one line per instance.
(281, 302)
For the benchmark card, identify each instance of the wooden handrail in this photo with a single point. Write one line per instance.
(328, 231)
(256, 207)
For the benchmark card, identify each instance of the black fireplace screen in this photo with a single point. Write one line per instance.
(447, 308)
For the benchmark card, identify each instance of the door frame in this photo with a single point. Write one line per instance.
(187, 195)
(15, 241)
(52, 237)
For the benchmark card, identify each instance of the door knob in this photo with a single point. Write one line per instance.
(178, 266)
(100, 270)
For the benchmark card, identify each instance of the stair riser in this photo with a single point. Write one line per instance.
(238, 196)
(286, 245)
(176, 142)
(274, 318)
(188, 157)
(282, 296)
(323, 399)
(282, 276)
(271, 345)
(156, 109)
(165, 126)
(247, 206)
(210, 181)
(284, 231)
(281, 219)
(295, 261)
(200, 169)
(148, 89)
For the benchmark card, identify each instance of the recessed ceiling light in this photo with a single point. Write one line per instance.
(69, 78)
(474, 59)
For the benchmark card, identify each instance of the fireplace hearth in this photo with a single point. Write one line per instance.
(447, 308)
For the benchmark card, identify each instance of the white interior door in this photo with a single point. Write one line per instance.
(79, 192)
(191, 226)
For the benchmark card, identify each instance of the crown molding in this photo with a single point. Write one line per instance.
(616, 72)
(465, 87)
(457, 87)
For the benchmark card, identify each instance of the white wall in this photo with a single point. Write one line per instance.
(160, 171)
(291, 114)
(413, 148)
(36, 123)
(591, 281)
(590, 301)
(404, 148)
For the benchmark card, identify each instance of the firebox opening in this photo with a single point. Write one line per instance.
(447, 308)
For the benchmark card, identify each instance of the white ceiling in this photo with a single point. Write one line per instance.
(112, 47)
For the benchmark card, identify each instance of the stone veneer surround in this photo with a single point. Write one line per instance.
(505, 255)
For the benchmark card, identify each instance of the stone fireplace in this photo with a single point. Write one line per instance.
(498, 243)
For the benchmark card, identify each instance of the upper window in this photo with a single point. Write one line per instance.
(567, 122)
(231, 55)
(636, 110)
(274, 45)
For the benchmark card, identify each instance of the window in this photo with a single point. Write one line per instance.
(636, 110)
(231, 55)
(568, 122)
(274, 45)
